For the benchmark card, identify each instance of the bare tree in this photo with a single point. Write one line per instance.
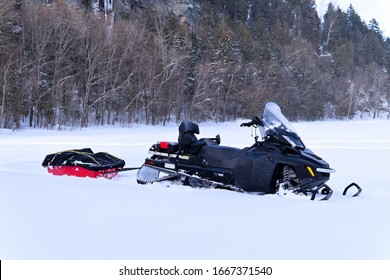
(93, 60)
(117, 89)
(5, 57)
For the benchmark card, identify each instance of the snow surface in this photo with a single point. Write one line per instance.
(59, 217)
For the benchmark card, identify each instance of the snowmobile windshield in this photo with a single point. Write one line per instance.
(274, 120)
(273, 117)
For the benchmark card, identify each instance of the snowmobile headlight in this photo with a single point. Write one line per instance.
(325, 170)
(310, 171)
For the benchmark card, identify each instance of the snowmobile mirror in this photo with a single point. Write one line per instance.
(218, 139)
(256, 121)
(248, 124)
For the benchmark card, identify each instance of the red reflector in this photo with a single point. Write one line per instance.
(164, 145)
(149, 162)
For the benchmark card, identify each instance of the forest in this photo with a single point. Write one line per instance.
(72, 65)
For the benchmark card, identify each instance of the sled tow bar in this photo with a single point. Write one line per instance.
(122, 170)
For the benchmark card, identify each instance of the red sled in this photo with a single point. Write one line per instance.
(83, 163)
(82, 172)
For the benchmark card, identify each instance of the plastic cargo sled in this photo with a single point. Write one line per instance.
(83, 163)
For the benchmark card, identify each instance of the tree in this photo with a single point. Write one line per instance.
(12, 93)
(93, 59)
(6, 58)
(87, 4)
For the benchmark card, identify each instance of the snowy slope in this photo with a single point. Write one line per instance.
(50, 217)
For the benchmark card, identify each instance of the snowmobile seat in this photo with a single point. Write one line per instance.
(219, 156)
(187, 126)
(188, 143)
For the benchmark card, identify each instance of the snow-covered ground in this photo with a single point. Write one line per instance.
(52, 217)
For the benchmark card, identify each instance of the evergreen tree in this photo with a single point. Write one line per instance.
(87, 4)
(375, 50)
(310, 22)
(357, 32)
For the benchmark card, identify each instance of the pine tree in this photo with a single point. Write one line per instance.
(87, 4)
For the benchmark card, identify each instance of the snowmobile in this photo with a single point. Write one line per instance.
(277, 163)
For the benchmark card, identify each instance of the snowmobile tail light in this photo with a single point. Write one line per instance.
(164, 145)
(310, 171)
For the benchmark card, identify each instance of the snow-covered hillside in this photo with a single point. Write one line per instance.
(50, 217)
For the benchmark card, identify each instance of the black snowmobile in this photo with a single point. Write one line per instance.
(278, 161)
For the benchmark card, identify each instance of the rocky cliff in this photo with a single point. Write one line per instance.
(186, 10)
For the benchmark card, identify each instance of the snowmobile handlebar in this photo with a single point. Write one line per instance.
(256, 121)
(216, 139)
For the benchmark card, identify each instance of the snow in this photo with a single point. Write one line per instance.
(59, 217)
